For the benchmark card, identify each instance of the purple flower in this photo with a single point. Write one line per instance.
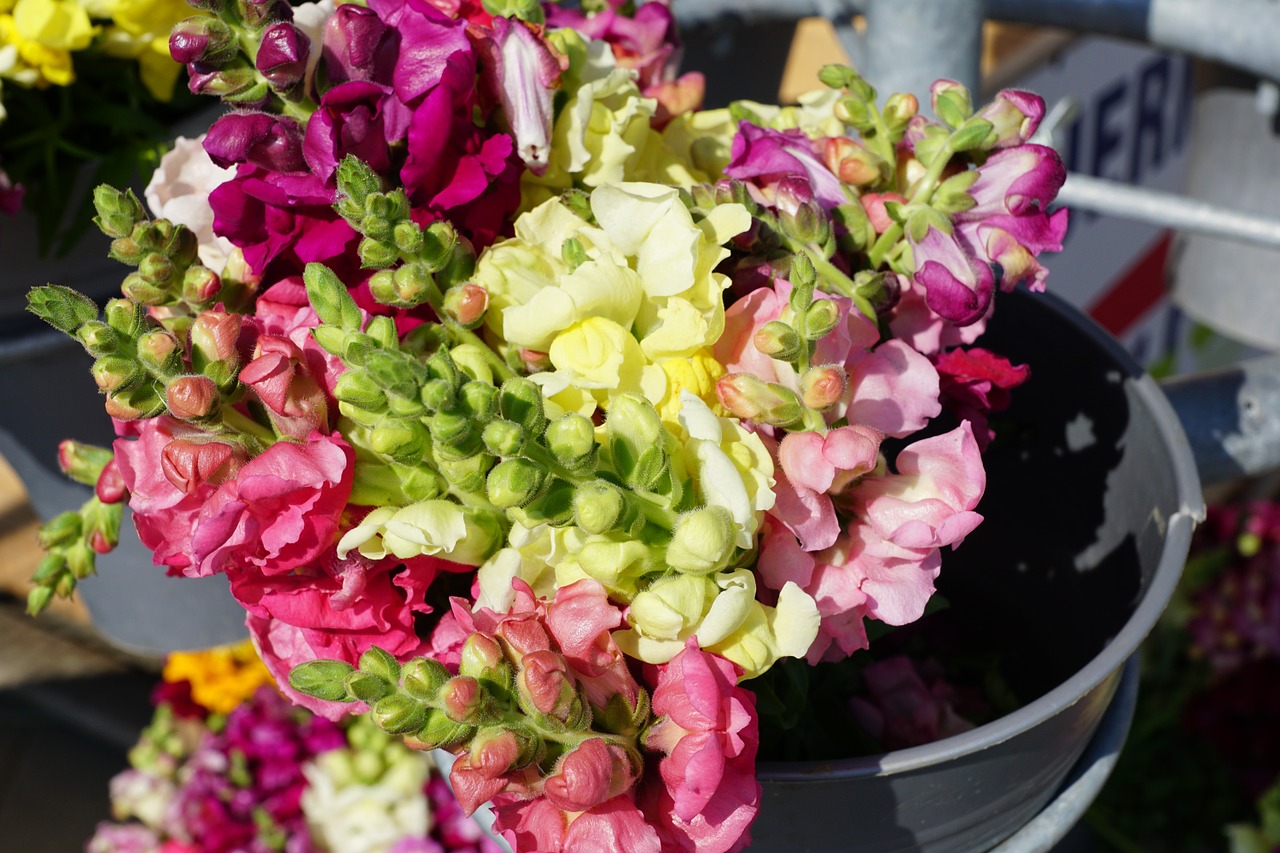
(957, 287)
(282, 56)
(359, 118)
(358, 45)
(430, 46)
(768, 156)
(269, 141)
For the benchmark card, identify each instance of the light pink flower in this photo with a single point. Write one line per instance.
(929, 502)
(537, 825)
(707, 728)
(281, 511)
(809, 465)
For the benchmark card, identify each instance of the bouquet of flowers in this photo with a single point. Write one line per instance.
(544, 415)
(83, 83)
(228, 764)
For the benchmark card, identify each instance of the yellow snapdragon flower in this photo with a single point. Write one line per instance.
(221, 678)
(140, 30)
(37, 38)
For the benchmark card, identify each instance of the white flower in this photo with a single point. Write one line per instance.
(349, 816)
(179, 191)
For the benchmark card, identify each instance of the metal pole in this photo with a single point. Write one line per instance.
(911, 43)
(1125, 18)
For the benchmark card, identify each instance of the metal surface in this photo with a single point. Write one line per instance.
(912, 43)
(1125, 18)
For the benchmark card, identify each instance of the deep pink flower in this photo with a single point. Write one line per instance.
(358, 45)
(357, 118)
(976, 382)
(766, 156)
(279, 377)
(1016, 115)
(708, 731)
(268, 141)
(284, 310)
(537, 825)
(903, 710)
(913, 322)
(957, 286)
(281, 511)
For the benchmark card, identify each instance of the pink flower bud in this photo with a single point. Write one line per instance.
(157, 346)
(873, 204)
(110, 487)
(851, 162)
(477, 776)
(191, 397)
(535, 360)
(278, 375)
(747, 397)
(467, 304)
(461, 698)
(214, 335)
(589, 775)
(189, 464)
(822, 387)
(200, 285)
(480, 654)
(1015, 115)
(121, 410)
(100, 543)
(544, 682)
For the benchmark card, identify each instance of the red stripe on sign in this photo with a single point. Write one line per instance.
(1135, 292)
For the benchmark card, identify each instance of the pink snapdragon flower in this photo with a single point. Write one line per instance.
(279, 377)
(765, 156)
(958, 287)
(281, 511)
(892, 388)
(811, 468)
(708, 731)
(903, 709)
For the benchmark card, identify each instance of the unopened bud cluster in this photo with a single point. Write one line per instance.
(518, 717)
(211, 48)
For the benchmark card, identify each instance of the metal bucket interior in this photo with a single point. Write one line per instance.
(1092, 497)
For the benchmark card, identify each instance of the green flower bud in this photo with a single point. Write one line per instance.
(38, 599)
(323, 679)
(200, 285)
(571, 440)
(377, 255)
(413, 285)
(438, 245)
(597, 506)
(407, 237)
(80, 560)
(329, 296)
(504, 438)
(820, 319)
(60, 531)
(437, 395)
(899, 109)
(466, 304)
(951, 102)
(355, 387)
(467, 474)
(137, 288)
(367, 687)
(480, 400)
(399, 714)
(514, 482)
(356, 182)
(98, 339)
(573, 253)
(702, 541)
(160, 353)
(66, 586)
(777, 340)
(520, 400)
(381, 663)
(554, 506)
(422, 678)
(113, 373)
(880, 290)
(49, 568)
(61, 307)
(455, 436)
(440, 732)
(117, 211)
(854, 111)
(402, 440)
(483, 660)
(973, 134)
(635, 438)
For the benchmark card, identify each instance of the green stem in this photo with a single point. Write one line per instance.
(237, 421)
(830, 272)
(924, 192)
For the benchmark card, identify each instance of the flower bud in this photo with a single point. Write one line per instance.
(899, 109)
(117, 211)
(777, 340)
(823, 386)
(282, 56)
(466, 304)
(480, 400)
(455, 436)
(81, 462)
(159, 353)
(951, 102)
(702, 541)
(1014, 115)
(546, 690)
(635, 435)
(60, 531)
(112, 373)
(407, 236)
(229, 83)
(820, 318)
(38, 599)
(140, 290)
(590, 774)
(80, 562)
(423, 677)
(379, 662)
(214, 335)
(571, 439)
(66, 585)
(437, 395)
(520, 400)
(61, 307)
(367, 687)
(356, 388)
(109, 487)
(466, 474)
(203, 39)
(98, 339)
(402, 440)
(463, 700)
(126, 316)
(513, 482)
(853, 111)
(130, 406)
(102, 525)
(322, 679)
(880, 289)
(399, 714)
(503, 438)
(746, 396)
(440, 732)
(853, 163)
(192, 397)
(597, 506)
(200, 285)
(190, 464)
